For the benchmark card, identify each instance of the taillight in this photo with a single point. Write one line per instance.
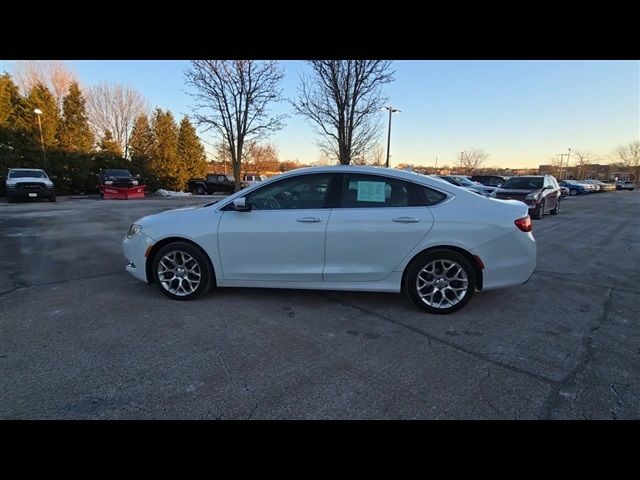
(524, 224)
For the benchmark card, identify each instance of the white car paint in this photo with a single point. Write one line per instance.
(346, 249)
(10, 182)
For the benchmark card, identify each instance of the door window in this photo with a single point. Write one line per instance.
(373, 191)
(300, 192)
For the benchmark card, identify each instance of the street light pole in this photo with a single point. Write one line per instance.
(38, 112)
(391, 110)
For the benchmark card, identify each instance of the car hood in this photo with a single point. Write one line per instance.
(162, 216)
(11, 181)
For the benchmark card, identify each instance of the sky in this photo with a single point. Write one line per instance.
(523, 113)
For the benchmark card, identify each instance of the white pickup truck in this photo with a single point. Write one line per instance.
(250, 180)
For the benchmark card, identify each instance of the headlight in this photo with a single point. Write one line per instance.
(108, 182)
(49, 184)
(134, 230)
(134, 182)
(531, 196)
(11, 185)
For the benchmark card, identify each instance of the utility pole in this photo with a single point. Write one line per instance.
(391, 110)
(436, 167)
(562, 155)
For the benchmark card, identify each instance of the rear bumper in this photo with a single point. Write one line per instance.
(509, 260)
(40, 193)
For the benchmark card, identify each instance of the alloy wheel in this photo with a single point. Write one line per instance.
(442, 283)
(179, 273)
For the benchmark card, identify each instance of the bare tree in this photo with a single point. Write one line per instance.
(629, 155)
(583, 158)
(471, 159)
(114, 108)
(260, 158)
(375, 156)
(342, 100)
(52, 73)
(233, 97)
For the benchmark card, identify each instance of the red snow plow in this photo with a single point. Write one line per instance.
(119, 185)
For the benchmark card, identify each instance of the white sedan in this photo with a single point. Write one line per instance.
(340, 228)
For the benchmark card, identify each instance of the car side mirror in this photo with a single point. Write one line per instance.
(53, 177)
(240, 205)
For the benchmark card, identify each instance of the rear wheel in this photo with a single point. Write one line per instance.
(440, 281)
(182, 271)
(200, 190)
(52, 198)
(556, 209)
(573, 192)
(10, 199)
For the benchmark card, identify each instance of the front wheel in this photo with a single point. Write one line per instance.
(440, 281)
(573, 192)
(556, 209)
(182, 271)
(52, 198)
(200, 190)
(538, 213)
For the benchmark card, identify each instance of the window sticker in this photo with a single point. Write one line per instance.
(371, 192)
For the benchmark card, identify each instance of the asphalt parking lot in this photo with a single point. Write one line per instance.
(82, 339)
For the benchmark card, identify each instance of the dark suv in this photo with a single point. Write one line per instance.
(540, 192)
(489, 180)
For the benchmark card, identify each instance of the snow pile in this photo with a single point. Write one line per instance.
(170, 193)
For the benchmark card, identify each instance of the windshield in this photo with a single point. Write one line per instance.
(116, 173)
(465, 182)
(524, 183)
(27, 173)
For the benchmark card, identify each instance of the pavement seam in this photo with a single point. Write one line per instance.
(69, 280)
(437, 339)
(561, 276)
(553, 399)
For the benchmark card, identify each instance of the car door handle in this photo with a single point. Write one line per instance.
(406, 220)
(309, 219)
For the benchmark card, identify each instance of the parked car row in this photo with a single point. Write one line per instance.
(579, 187)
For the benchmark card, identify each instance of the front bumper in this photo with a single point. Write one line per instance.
(25, 193)
(134, 249)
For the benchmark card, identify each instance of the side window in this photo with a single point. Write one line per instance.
(430, 197)
(301, 192)
(372, 191)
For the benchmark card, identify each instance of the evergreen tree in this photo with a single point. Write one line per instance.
(140, 148)
(9, 98)
(74, 133)
(109, 145)
(40, 97)
(12, 143)
(163, 162)
(191, 154)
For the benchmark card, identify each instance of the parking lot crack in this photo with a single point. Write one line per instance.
(482, 394)
(563, 276)
(563, 385)
(442, 341)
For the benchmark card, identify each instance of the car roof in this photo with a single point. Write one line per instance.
(24, 169)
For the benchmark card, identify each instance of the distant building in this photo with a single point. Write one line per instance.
(593, 171)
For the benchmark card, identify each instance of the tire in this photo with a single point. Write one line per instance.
(556, 209)
(52, 198)
(418, 270)
(177, 255)
(200, 190)
(573, 192)
(10, 199)
(538, 213)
